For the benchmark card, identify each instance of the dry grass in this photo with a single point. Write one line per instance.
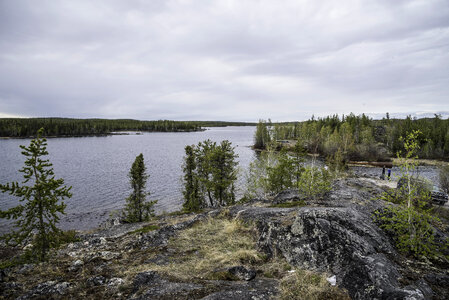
(210, 245)
(303, 284)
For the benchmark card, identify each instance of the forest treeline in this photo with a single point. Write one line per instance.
(21, 127)
(359, 137)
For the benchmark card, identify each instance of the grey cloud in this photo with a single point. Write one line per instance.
(226, 60)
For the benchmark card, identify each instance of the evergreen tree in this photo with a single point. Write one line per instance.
(137, 209)
(203, 153)
(209, 169)
(262, 136)
(42, 200)
(224, 173)
(193, 201)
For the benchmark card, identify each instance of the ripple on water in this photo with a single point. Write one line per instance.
(97, 168)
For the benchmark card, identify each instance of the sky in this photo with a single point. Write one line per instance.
(223, 60)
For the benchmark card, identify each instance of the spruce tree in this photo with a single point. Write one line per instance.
(209, 171)
(41, 196)
(224, 173)
(137, 209)
(193, 201)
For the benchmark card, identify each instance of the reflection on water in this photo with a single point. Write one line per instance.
(97, 168)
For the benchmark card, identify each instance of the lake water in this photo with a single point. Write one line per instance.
(97, 169)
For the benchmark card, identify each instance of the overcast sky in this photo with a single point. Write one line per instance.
(222, 60)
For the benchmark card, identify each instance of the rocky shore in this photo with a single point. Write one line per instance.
(248, 251)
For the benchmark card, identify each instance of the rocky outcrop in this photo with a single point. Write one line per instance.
(340, 241)
(337, 235)
(334, 234)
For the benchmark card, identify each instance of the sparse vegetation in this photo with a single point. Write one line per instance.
(410, 220)
(209, 245)
(298, 203)
(145, 229)
(301, 284)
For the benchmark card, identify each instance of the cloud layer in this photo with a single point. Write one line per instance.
(222, 60)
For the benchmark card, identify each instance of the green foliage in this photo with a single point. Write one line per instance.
(80, 127)
(66, 237)
(314, 182)
(409, 222)
(281, 175)
(299, 154)
(41, 196)
(272, 172)
(224, 173)
(337, 162)
(137, 209)
(361, 138)
(411, 229)
(191, 190)
(209, 173)
(256, 176)
(262, 136)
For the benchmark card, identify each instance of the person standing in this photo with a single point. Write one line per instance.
(389, 173)
(383, 173)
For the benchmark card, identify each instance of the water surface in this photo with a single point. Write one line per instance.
(97, 168)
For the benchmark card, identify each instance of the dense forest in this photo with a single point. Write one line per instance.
(360, 137)
(27, 127)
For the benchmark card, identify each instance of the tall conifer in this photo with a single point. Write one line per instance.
(137, 209)
(40, 195)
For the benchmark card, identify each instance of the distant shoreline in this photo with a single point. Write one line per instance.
(128, 132)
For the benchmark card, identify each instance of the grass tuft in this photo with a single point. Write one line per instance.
(210, 245)
(303, 284)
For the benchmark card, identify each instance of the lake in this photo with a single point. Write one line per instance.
(97, 169)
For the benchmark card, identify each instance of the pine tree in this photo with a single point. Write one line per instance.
(137, 210)
(41, 195)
